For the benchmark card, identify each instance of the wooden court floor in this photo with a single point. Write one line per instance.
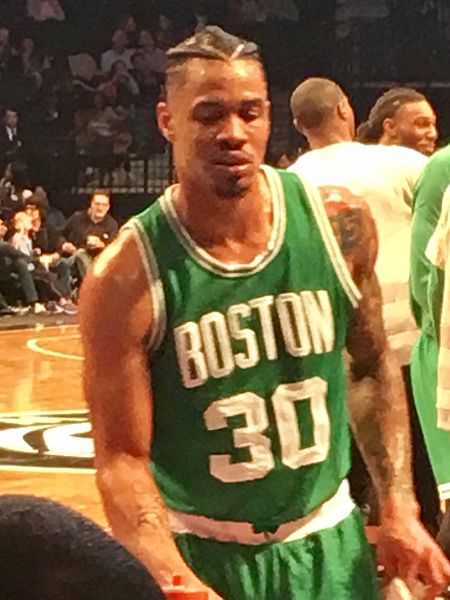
(45, 443)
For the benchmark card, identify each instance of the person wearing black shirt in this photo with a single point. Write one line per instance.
(88, 232)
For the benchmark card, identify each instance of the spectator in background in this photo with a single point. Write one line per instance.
(10, 137)
(6, 50)
(34, 62)
(88, 232)
(128, 25)
(45, 10)
(103, 136)
(46, 246)
(165, 34)
(402, 117)
(146, 78)
(15, 188)
(120, 87)
(119, 51)
(16, 265)
(155, 58)
(53, 216)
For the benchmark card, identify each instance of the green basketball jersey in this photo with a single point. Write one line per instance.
(427, 295)
(250, 418)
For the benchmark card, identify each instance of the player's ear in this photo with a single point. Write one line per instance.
(389, 127)
(165, 122)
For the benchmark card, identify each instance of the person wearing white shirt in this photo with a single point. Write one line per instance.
(383, 176)
(118, 51)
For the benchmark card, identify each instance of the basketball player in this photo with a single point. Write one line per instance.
(430, 295)
(219, 355)
(384, 176)
(401, 117)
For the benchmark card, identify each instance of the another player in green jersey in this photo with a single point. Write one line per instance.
(214, 331)
(429, 298)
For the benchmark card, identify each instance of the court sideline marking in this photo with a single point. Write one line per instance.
(34, 346)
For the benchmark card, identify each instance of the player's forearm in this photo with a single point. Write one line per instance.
(139, 518)
(379, 418)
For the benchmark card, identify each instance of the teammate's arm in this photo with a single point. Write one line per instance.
(378, 407)
(116, 318)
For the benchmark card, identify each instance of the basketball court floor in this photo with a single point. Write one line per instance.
(45, 443)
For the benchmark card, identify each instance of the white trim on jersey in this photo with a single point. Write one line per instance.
(327, 515)
(233, 269)
(155, 284)
(331, 243)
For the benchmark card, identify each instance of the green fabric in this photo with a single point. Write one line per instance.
(426, 287)
(424, 383)
(334, 563)
(183, 444)
(425, 283)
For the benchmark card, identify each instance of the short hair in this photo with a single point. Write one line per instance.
(50, 551)
(386, 107)
(314, 100)
(100, 192)
(211, 43)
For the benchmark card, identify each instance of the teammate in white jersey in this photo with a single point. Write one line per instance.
(384, 176)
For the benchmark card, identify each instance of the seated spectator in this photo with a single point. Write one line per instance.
(119, 51)
(46, 245)
(10, 137)
(45, 10)
(128, 25)
(34, 62)
(147, 79)
(15, 266)
(103, 136)
(121, 88)
(47, 283)
(6, 50)
(154, 57)
(15, 188)
(53, 216)
(88, 232)
(48, 551)
(165, 34)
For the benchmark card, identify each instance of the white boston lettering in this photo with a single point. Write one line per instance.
(293, 324)
(217, 344)
(188, 344)
(249, 358)
(264, 306)
(210, 348)
(320, 319)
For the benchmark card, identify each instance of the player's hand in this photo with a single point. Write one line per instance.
(406, 550)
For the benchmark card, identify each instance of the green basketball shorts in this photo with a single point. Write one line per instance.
(332, 564)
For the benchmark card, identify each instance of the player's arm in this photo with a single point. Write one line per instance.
(116, 318)
(378, 408)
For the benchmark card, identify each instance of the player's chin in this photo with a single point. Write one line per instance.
(230, 188)
(427, 148)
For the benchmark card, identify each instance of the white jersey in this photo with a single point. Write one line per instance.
(384, 177)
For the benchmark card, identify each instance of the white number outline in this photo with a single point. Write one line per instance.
(251, 436)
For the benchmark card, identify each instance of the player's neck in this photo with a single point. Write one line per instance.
(216, 222)
(328, 138)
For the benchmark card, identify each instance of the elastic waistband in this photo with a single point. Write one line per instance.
(327, 515)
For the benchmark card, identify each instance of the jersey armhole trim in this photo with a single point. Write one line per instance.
(331, 244)
(155, 284)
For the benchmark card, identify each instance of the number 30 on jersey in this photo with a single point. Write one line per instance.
(252, 438)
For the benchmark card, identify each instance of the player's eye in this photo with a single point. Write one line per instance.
(250, 112)
(208, 113)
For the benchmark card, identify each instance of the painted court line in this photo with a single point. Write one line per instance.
(34, 345)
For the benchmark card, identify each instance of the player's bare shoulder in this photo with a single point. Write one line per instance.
(117, 283)
(354, 228)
